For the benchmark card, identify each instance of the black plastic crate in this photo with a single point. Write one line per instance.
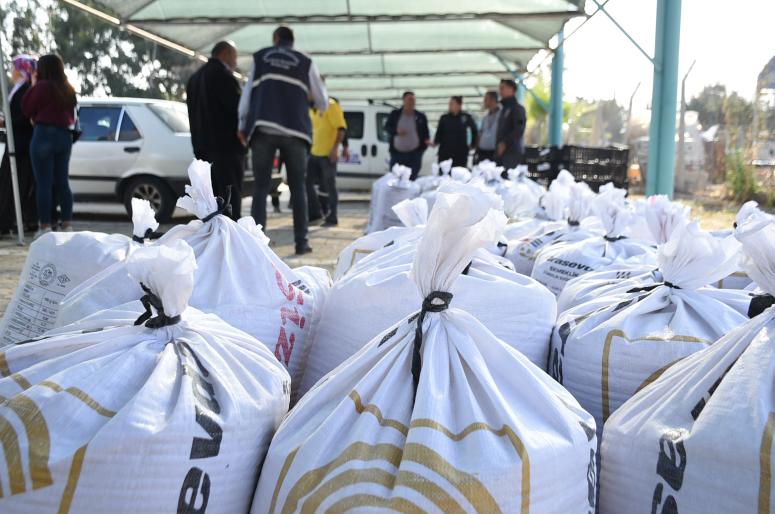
(543, 163)
(597, 166)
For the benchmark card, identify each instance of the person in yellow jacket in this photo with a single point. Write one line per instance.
(328, 134)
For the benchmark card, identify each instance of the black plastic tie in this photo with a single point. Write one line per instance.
(652, 287)
(574, 223)
(224, 206)
(428, 305)
(613, 239)
(150, 301)
(759, 304)
(141, 240)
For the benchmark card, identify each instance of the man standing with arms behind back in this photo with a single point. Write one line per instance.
(407, 129)
(274, 115)
(212, 97)
(485, 148)
(511, 127)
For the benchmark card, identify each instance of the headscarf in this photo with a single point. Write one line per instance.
(26, 65)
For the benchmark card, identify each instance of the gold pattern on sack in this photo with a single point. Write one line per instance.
(765, 465)
(355, 254)
(38, 442)
(72, 480)
(80, 395)
(315, 483)
(607, 355)
(5, 371)
(658, 373)
(374, 411)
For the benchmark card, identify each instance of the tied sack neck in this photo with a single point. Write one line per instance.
(149, 234)
(224, 206)
(760, 303)
(436, 301)
(150, 301)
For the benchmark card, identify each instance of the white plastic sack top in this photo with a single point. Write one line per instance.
(700, 437)
(379, 289)
(387, 192)
(663, 217)
(604, 355)
(199, 199)
(106, 416)
(457, 435)
(82, 300)
(56, 263)
(239, 278)
(557, 263)
(412, 213)
(143, 218)
(460, 174)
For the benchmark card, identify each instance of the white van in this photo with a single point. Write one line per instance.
(369, 147)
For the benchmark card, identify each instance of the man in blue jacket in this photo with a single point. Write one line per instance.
(511, 127)
(407, 129)
(274, 115)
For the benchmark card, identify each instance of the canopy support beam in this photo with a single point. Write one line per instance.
(555, 107)
(661, 157)
(11, 148)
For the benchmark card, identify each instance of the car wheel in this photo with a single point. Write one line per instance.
(156, 191)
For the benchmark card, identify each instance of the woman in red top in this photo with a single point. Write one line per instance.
(50, 104)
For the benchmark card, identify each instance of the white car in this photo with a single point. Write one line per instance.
(134, 147)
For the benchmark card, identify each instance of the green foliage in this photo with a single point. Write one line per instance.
(709, 105)
(108, 60)
(741, 177)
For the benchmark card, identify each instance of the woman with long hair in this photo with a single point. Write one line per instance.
(50, 104)
(22, 70)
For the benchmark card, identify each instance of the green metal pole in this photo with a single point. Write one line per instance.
(555, 106)
(661, 160)
(521, 89)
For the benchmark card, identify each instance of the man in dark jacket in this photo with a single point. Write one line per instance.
(408, 133)
(452, 133)
(511, 127)
(213, 95)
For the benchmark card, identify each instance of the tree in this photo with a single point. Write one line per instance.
(709, 105)
(107, 59)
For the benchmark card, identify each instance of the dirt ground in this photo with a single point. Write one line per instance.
(327, 243)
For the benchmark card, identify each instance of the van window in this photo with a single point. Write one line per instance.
(128, 131)
(355, 124)
(98, 123)
(382, 134)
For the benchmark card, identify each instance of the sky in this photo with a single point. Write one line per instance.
(731, 42)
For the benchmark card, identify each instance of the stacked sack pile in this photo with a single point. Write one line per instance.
(485, 337)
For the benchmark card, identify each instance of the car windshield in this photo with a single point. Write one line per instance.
(174, 115)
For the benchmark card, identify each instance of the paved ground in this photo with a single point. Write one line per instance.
(326, 242)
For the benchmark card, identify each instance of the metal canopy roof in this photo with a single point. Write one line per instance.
(368, 49)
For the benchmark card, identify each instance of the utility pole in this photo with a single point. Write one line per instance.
(679, 168)
(629, 115)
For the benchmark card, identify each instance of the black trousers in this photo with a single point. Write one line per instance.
(459, 156)
(511, 159)
(26, 192)
(228, 170)
(293, 152)
(484, 155)
(322, 171)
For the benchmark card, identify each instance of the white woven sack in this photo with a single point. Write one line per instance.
(105, 416)
(387, 192)
(604, 356)
(86, 299)
(562, 261)
(56, 263)
(413, 214)
(379, 290)
(565, 201)
(700, 438)
(475, 428)
(238, 277)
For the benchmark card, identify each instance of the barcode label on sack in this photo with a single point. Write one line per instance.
(36, 304)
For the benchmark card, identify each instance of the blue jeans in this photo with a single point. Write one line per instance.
(50, 154)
